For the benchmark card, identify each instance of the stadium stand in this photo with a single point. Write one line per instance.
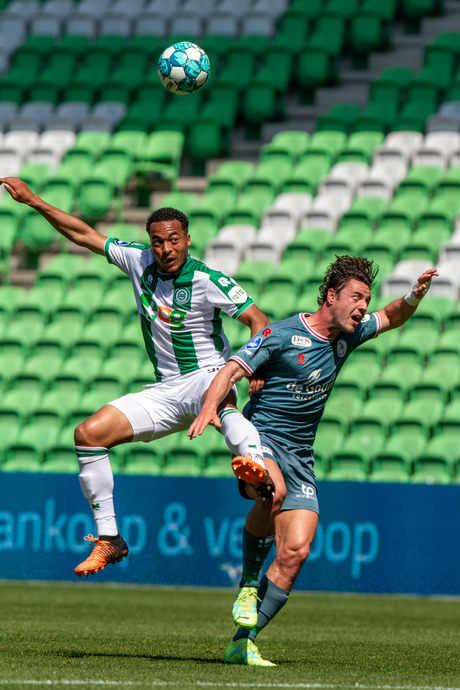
(85, 121)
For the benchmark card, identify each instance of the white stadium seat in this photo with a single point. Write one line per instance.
(21, 141)
(407, 142)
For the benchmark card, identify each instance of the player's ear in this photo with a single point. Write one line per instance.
(189, 241)
(331, 295)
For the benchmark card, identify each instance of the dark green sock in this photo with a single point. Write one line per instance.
(272, 599)
(255, 551)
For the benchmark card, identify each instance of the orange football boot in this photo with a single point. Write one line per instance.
(103, 553)
(250, 471)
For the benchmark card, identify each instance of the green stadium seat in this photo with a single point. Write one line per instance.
(368, 30)
(390, 466)
(307, 174)
(423, 409)
(217, 456)
(285, 146)
(413, 347)
(21, 459)
(162, 155)
(206, 137)
(360, 374)
(329, 438)
(343, 407)
(432, 468)
(252, 275)
(20, 401)
(379, 412)
(184, 459)
(142, 116)
(293, 29)
(349, 466)
(141, 459)
(36, 233)
(10, 424)
(179, 113)
(361, 146)
(339, 118)
(437, 383)
(408, 436)
(78, 304)
(364, 214)
(60, 271)
(414, 114)
(403, 215)
(447, 352)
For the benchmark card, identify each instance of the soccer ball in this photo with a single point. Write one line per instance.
(183, 68)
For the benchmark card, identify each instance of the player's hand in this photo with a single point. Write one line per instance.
(256, 383)
(18, 189)
(424, 282)
(206, 416)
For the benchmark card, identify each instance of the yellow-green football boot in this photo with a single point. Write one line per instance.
(244, 652)
(244, 610)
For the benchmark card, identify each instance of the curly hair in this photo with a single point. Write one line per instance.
(167, 213)
(347, 268)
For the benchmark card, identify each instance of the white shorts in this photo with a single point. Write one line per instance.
(166, 407)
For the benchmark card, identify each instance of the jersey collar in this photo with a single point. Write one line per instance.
(312, 331)
(173, 276)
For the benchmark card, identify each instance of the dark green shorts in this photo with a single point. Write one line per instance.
(296, 465)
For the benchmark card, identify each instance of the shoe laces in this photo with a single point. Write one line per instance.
(102, 548)
(247, 593)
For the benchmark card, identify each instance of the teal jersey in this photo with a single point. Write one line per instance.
(299, 367)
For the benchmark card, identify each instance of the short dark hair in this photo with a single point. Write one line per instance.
(347, 268)
(167, 213)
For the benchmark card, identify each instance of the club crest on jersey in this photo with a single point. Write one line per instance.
(253, 345)
(314, 376)
(182, 295)
(300, 341)
(341, 348)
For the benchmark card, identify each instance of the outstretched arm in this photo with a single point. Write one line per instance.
(398, 312)
(254, 319)
(230, 374)
(72, 228)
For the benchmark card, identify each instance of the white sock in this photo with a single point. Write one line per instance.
(96, 481)
(240, 435)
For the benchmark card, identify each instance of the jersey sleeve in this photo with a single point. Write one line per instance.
(263, 347)
(369, 327)
(125, 255)
(224, 293)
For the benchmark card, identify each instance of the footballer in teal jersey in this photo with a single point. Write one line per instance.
(298, 360)
(299, 367)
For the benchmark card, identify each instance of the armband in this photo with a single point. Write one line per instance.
(412, 299)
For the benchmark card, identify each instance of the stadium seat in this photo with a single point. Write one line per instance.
(349, 466)
(390, 466)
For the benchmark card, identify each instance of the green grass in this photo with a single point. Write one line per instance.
(151, 636)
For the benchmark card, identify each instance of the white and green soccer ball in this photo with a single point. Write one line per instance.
(183, 68)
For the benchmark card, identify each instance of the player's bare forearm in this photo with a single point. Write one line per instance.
(221, 385)
(74, 229)
(254, 319)
(399, 311)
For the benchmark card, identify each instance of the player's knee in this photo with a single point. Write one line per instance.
(278, 500)
(86, 434)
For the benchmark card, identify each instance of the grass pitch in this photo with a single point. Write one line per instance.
(85, 634)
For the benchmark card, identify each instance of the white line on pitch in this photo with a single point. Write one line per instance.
(210, 684)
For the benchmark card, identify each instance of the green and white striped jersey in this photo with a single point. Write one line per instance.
(179, 313)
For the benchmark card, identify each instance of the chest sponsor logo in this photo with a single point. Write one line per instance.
(310, 389)
(266, 332)
(237, 295)
(300, 341)
(173, 317)
(341, 348)
(253, 345)
(182, 296)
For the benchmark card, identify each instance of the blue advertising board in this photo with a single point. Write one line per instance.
(371, 537)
